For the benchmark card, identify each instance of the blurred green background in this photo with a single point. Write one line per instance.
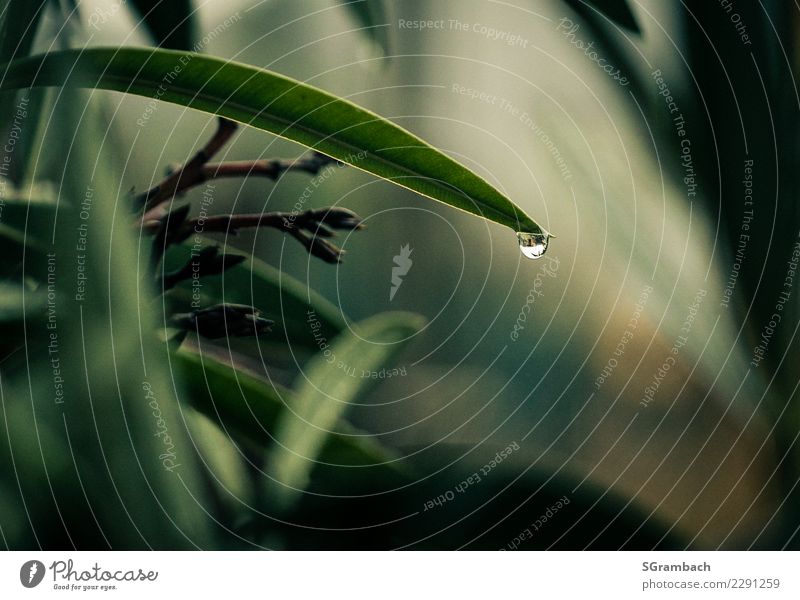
(706, 460)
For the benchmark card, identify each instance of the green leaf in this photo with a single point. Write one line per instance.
(282, 106)
(20, 21)
(32, 204)
(237, 401)
(25, 215)
(371, 15)
(616, 10)
(247, 406)
(223, 463)
(110, 437)
(172, 24)
(14, 301)
(324, 390)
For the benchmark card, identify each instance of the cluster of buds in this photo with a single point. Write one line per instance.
(223, 320)
(312, 228)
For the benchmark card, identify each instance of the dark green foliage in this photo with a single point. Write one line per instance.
(171, 23)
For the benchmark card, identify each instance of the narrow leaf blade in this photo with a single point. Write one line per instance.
(371, 15)
(617, 10)
(323, 393)
(280, 105)
(247, 407)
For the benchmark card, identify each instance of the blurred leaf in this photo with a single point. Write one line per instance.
(224, 466)
(282, 106)
(494, 514)
(109, 435)
(20, 22)
(616, 10)
(616, 47)
(323, 393)
(12, 238)
(33, 457)
(32, 155)
(229, 397)
(17, 302)
(22, 249)
(171, 23)
(12, 516)
(280, 296)
(12, 306)
(34, 204)
(24, 217)
(242, 404)
(5, 11)
(371, 15)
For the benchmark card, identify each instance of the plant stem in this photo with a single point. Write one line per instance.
(271, 168)
(229, 223)
(191, 174)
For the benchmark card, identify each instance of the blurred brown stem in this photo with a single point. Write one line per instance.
(229, 223)
(191, 174)
(271, 168)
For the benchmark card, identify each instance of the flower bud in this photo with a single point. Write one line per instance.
(223, 320)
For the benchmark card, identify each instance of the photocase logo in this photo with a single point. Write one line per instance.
(31, 573)
(403, 262)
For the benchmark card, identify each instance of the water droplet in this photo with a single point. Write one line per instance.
(533, 245)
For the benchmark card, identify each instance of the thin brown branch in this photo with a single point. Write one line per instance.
(271, 168)
(225, 223)
(315, 221)
(310, 228)
(192, 173)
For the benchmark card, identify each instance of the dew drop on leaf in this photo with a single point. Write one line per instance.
(533, 245)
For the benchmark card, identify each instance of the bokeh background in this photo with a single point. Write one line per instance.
(628, 394)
